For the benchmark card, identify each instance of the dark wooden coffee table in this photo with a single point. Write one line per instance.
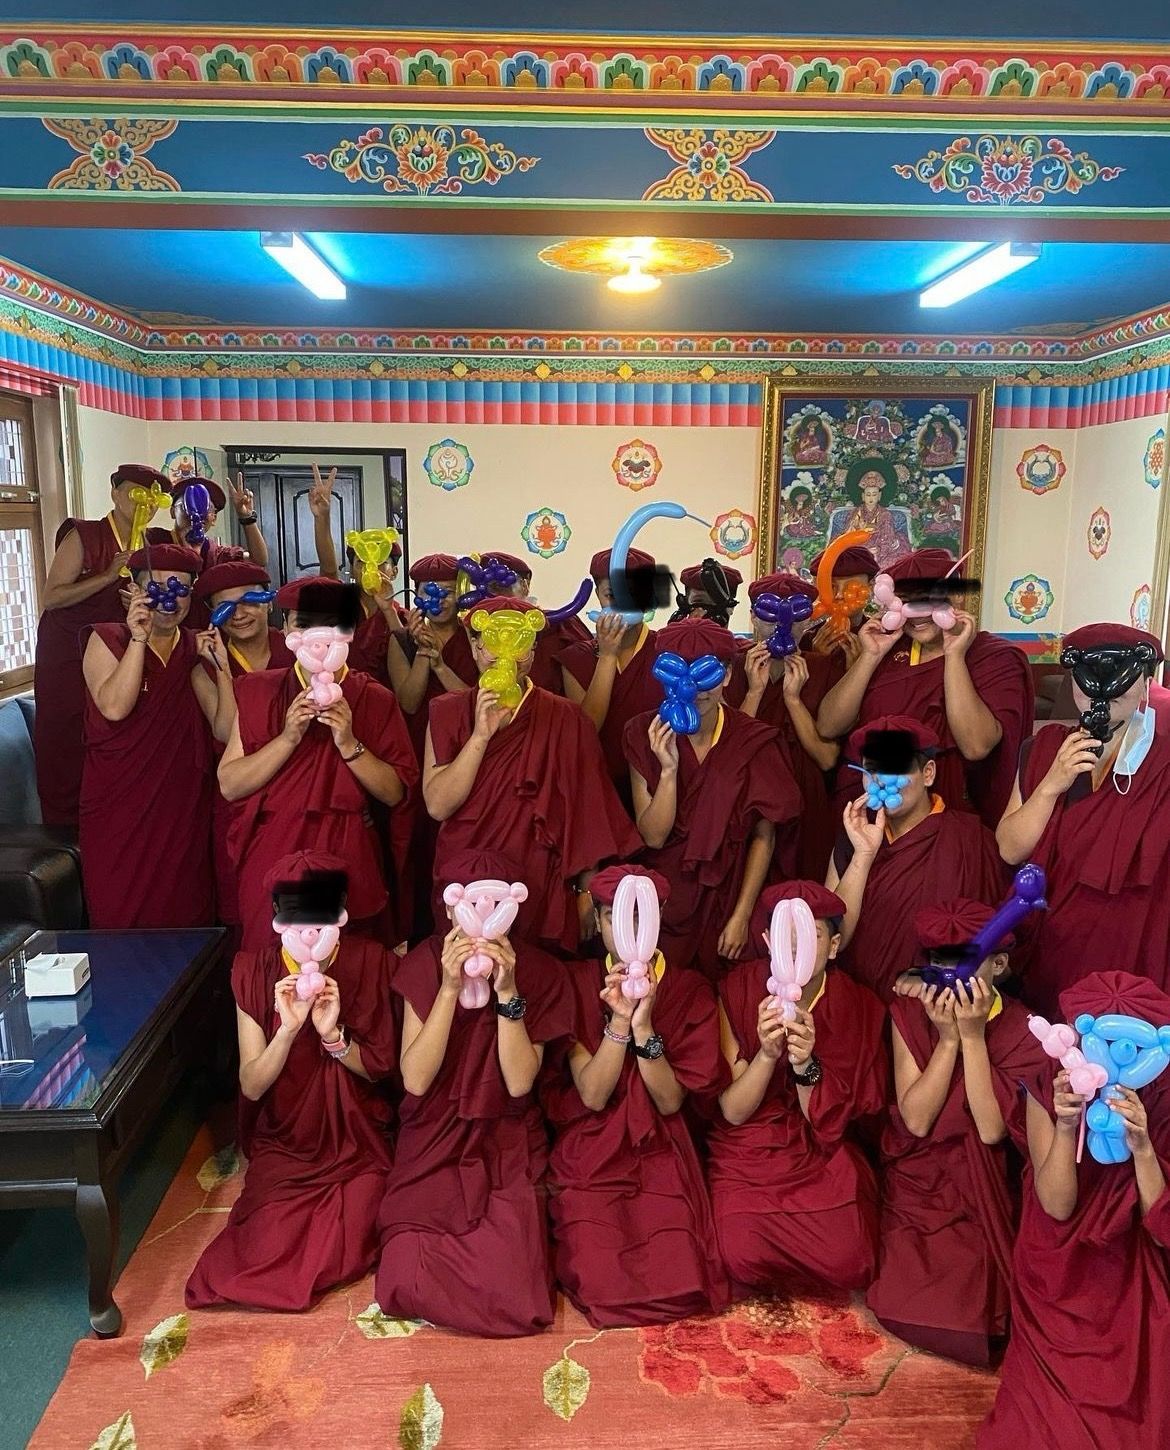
(84, 1078)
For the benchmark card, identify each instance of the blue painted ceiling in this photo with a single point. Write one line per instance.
(471, 283)
(992, 19)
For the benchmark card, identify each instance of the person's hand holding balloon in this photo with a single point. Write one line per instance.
(801, 1035)
(339, 719)
(664, 744)
(457, 948)
(1067, 1105)
(297, 718)
(1129, 1107)
(795, 677)
(958, 640)
(610, 632)
(138, 615)
(212, 649)
(973, 1004)
(771, 1029)
(865, 836)
(756, 664)
(939, 1005)
(502, 952)
(292, 1010)
(327, 1010)
(1078, 755)
(616, 1003)
(873, 641)
(489, 715)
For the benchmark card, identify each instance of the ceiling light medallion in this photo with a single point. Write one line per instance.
(635, 265)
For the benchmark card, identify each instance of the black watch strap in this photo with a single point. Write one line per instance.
(513, 1010)
(812, 1071)
(652, 1048)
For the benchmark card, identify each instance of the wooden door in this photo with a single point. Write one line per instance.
(286, 521)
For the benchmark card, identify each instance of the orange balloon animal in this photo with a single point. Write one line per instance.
(837, 609)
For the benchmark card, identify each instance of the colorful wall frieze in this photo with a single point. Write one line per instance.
(557, 67)
(111, 154)
(1006, 170)
(422, 160)
(709, 165)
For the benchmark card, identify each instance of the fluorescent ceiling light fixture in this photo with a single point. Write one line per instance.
(981, 271)
(299, 260)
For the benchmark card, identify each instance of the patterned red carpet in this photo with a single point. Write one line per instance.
(804, 1374)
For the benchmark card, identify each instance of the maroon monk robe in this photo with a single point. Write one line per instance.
(551, 642)
(796, 1199)
(635, 690)
(458, 658)
(632, 1230)
(817, 830)
(227, 904)
(950, 853)
(367, 650)
(1090, 1311)
(212, 552)
(542, 792)
(317, 1147)
(146, 794)
(463, 1223)
(1108, 862)
(315, 802)
(743, 779)
(58, 683)
(999, 672)
(947, 1218)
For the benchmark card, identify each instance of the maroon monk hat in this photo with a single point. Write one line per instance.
(435, 569)
(233, 574)
(953, 923)
(850, 563)
(599, 565)
(307, 887)
(694, 638)
(169, 558)
(824, 904)
(1117, 992)
(214, 492)
(510, 561)
(603, 887)
(329, 601)
(140, 474)
(692, 577)
(921, 564)
(920, 738)
(783, 586)
(1102, 636)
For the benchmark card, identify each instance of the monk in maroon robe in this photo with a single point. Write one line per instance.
(632, 1226)
(854, 569)
(533, 777)
(786, 694)
(699, 603)
(794, 1198)
(708, 807)
(962, 1062)
(463, 1223)
(81, 589)
(553, 639)
(610, 677)
(252, 645)
(436, 656)
(889, 863)
(971, 688)
(311, 1124)
(1086, 1362)
(211, 551)
(304, 777)
(150, 711)
(1100, 831)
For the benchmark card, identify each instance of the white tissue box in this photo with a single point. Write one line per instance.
(56, 974)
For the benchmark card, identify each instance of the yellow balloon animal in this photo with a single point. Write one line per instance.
(371, 548)
(147, 502)
(509, 634)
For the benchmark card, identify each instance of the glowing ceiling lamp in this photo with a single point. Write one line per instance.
(634, 265)
(299, 260)
(981, 271)
(635, 253)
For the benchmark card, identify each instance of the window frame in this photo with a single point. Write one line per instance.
(21, 508)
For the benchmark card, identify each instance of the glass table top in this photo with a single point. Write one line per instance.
(57, 1053)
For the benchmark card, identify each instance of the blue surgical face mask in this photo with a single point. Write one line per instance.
(1135, 746)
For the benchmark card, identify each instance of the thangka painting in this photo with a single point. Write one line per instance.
(906, 459)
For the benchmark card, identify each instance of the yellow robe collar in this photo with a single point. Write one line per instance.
(295, 968)
(659, 965)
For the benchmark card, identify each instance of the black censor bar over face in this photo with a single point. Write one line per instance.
(317, 899)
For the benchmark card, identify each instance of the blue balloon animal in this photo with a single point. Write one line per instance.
(682, 682)
(1133, 1053)
(783, 613)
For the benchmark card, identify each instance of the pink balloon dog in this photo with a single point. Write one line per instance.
(1059, 1040)
(321, 652)
(791, 971)
(483, 911)
(896, 613)
(309, 946)
(636, 946)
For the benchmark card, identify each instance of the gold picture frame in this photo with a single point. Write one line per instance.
(909, 457)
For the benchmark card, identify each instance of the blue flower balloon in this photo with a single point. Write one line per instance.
(166, 596)
(429, 599)
(682, 683)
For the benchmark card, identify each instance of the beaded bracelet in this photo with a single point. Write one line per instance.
(617, 1037)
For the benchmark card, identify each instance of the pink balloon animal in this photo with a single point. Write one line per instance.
(1059, 1040)
(309, 946)
(896, 613)
(636, 946)
(791, 971)
(321, 652)
(483, 911)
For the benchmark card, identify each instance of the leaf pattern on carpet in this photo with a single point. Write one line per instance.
(421, 1425)
(376, 1325)
(165, 1342)
(566, 1387)
(218, 1168)
(118, 1436)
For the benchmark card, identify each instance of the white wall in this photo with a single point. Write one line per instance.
(107, 440)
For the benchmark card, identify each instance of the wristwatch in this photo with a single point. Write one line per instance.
(812, 1074)
(513, 1010)
(651, 1049)
(246, 520)
(359, 749)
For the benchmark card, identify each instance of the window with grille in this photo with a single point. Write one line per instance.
(22, 568)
